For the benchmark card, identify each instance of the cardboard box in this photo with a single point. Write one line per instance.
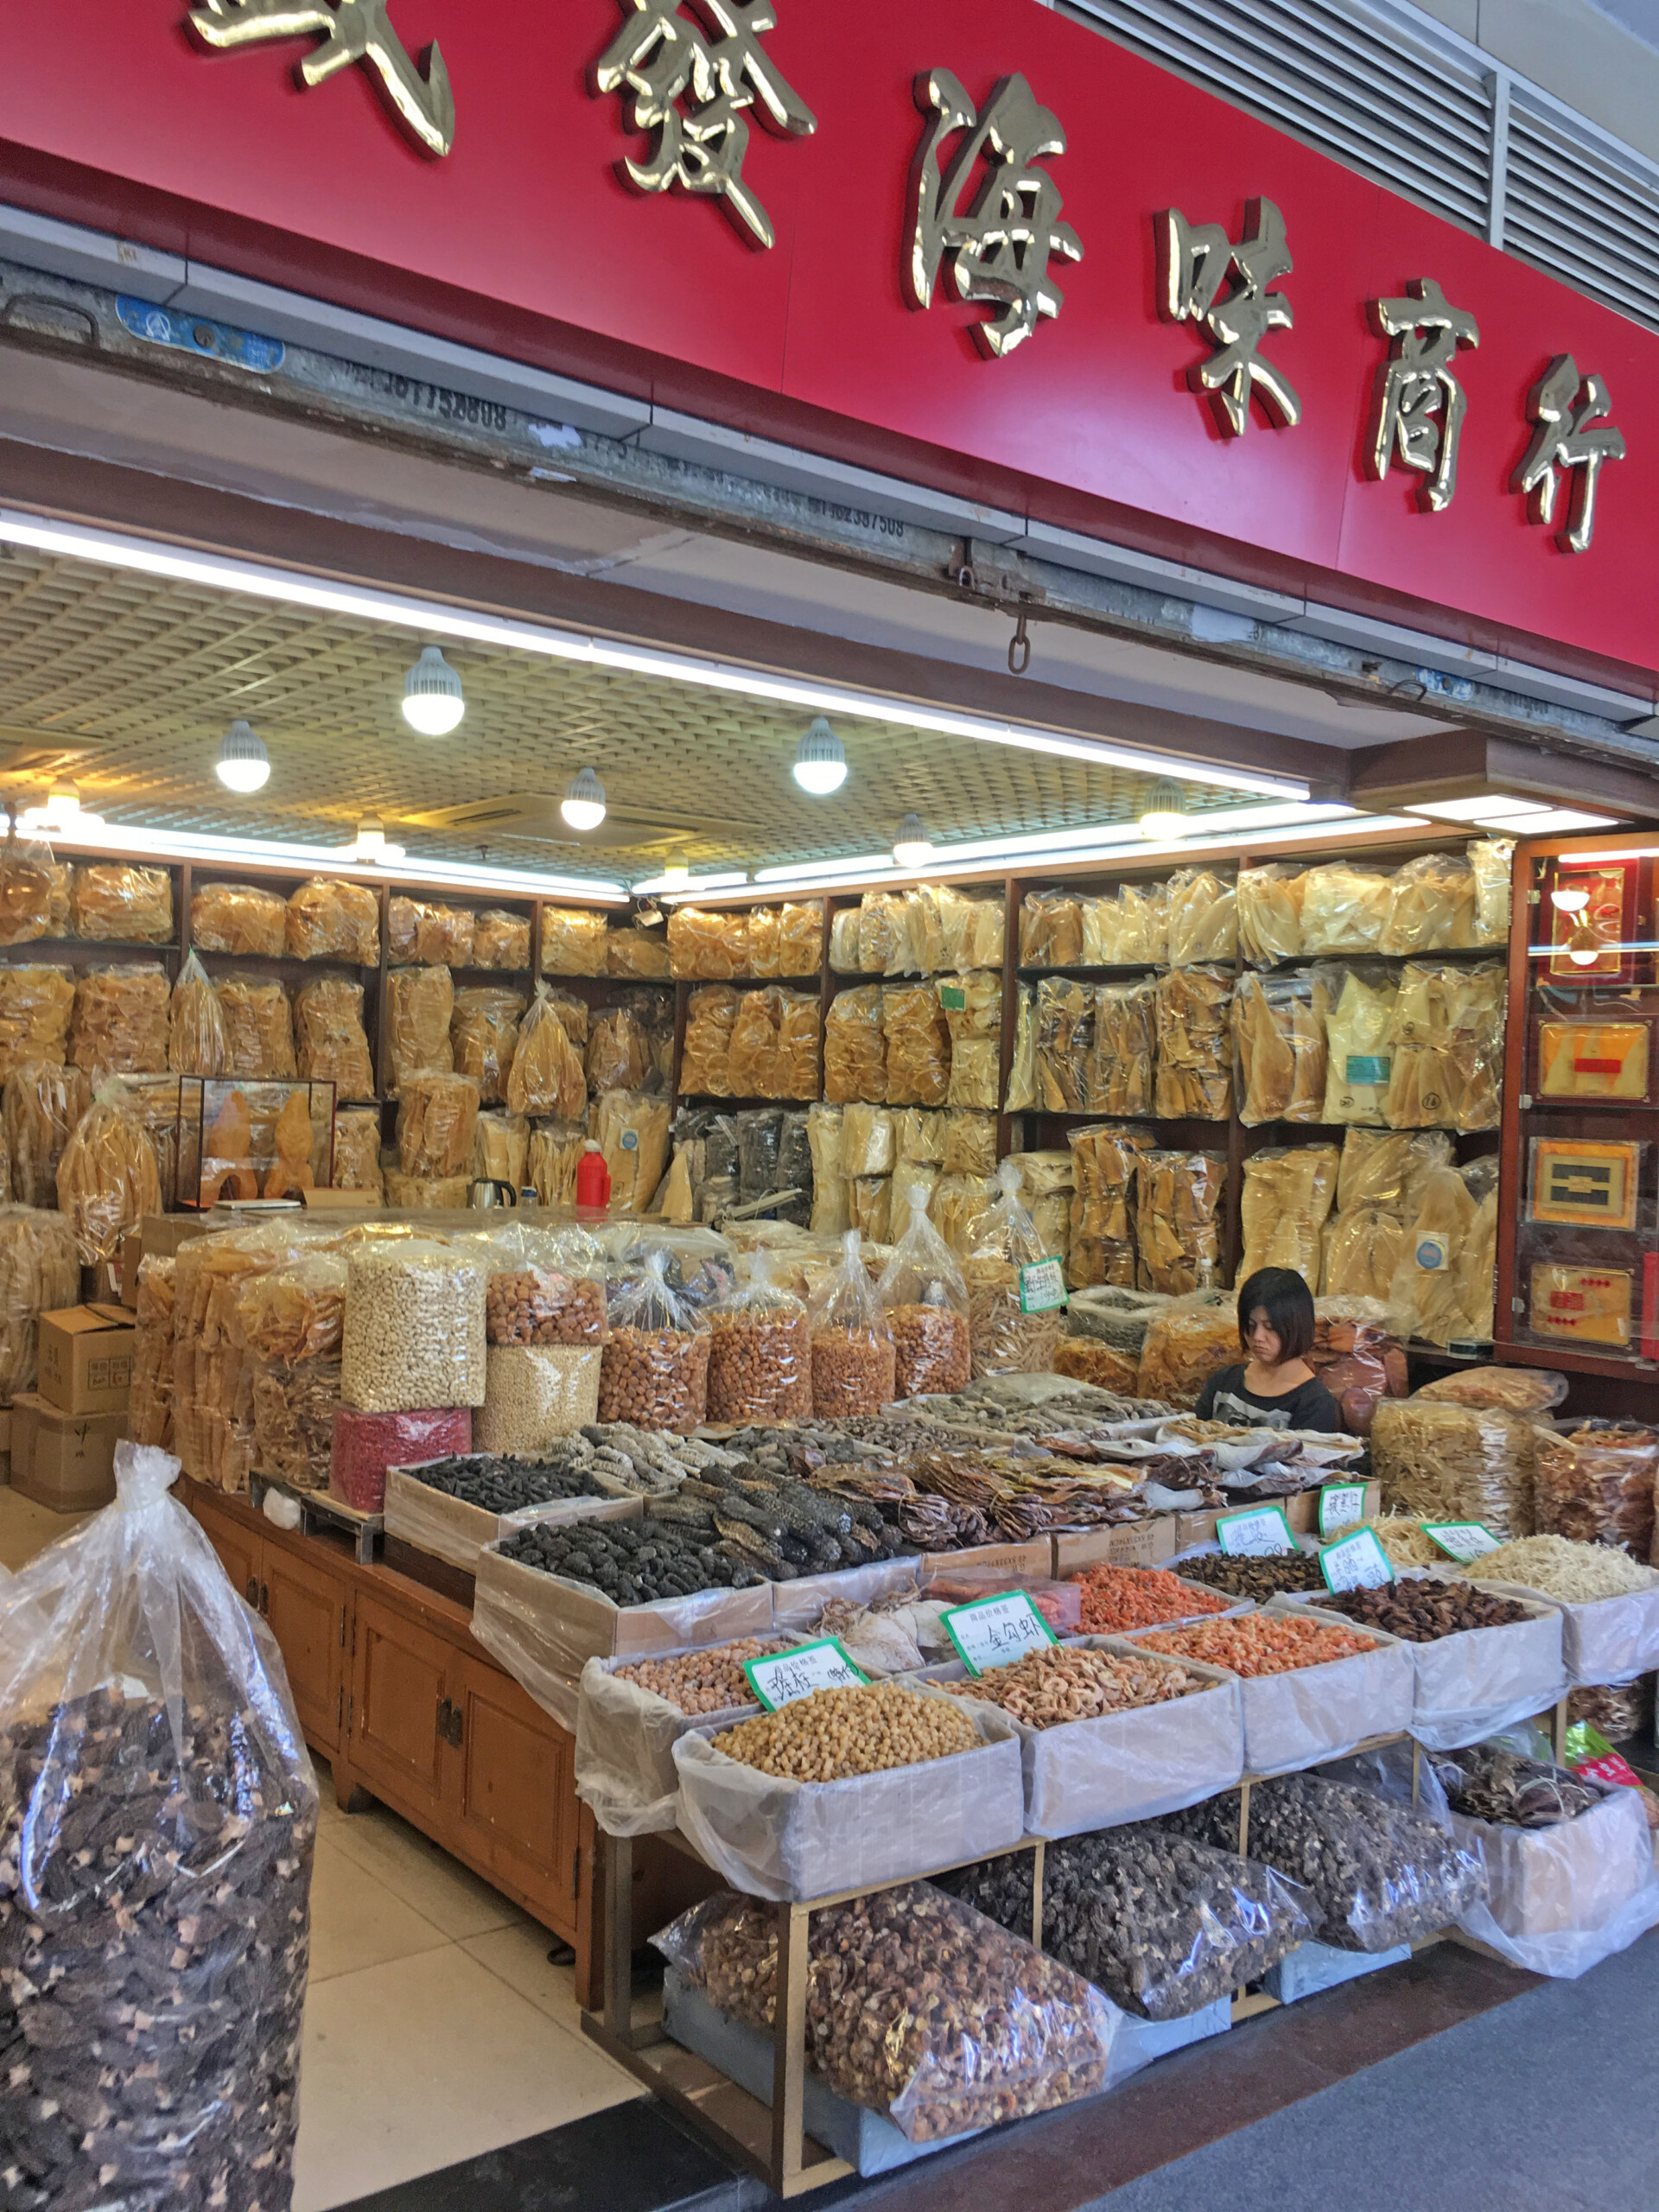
(66, 1461)
(557, 1625)
(457, 1532)
(1136, 1544)
(1034, 1559)
(86, 1358)
(338, 1201)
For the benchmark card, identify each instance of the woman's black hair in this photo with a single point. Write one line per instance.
(1281, 1293)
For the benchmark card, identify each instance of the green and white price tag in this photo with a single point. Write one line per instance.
(1340, 1505)
(1356, 1562)
(1462, 1540)
(995, 1632)
(953, 998)
(1254, 1532)
(789, 1674)
(1042, 1287)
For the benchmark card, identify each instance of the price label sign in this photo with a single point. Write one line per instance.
(1356, 1562)
(1042, 1287)
(789, 1674)
(995, 1632)
(1461, 1540)
(1340, 1505)
(953, 998)
(1254, 1532)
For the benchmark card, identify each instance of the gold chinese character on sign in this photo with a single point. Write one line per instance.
(1420, 404)
(691, 90)
(1000, 248)
(1197, 259)
(1564, 409)
(350, 31)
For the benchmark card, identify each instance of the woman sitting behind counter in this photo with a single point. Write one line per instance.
(1274, 1386)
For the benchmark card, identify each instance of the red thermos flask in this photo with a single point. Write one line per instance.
(593, 1180)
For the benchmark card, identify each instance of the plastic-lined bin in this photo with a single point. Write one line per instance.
(1314, 1967)
(626, 1736)
(1603, 1640)
(1563, 1898)
(456, 1531)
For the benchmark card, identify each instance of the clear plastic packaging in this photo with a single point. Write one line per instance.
(1364, 1251)
(536, 1395)
(759, 1352)
(556, 1150)
(484, 1036)
(631, 1127)
(43, 1102)
(1282, 1208)
(420, 1007)
(1194, 1080)
(160, 1783)
(1006, 2031)
(546, 1287)
(414, 1334)
(1446, 1042)
(924, 1298)
(357, 1150)
(1358, 1023)
(640, 953)
(573, 941)
(1430, 1287)
(119, 1026)
(618, 1057)
(501, 940)
(440, 937)
(917, 1138)
(854, 1363)
(1051, 930)
(1383, 1169)
(328, 919)
(258, 1031)
(239, 918)
(1431, 906)
(1345, 907)
(1279, 1031)
(1085, 1359)
(705, 1057)
(1203, 918)
(1492, 860)
(918, 1046)
(1066, 1044)
(1593, 1481)
(1183, 1346)
(366, 1445)
(437, 1115)
(956, 1206)
(40, 1273)
(108, 1179)
(1101, 1249)
(331, 1045)
(844, 942)
(967, 1143)
(883, 935)
(1270, 912)
(800, 938)
(1442, 1462)
(868, 1143)
(971, 1001)
(546, 1076)
(706, 944)
(423, 1193)
(1524, 1390)
(1126, 1030)
(854, 1046)
(1015, 1321)
(291, 1322)
(1177, 1203)
(35, 1005)
(196, 1043)
(27, 882)
(1021, 1093)
(151, 1409)
(655, 1369)
(114, 902)
(869, 1206)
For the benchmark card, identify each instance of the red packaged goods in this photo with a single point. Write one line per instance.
(366, 1445)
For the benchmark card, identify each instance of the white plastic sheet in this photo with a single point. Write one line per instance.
(1605, 1640)
(625, 1750)
(796, 1606)
(1564, 1899)
(452, 1529)
(771, 1837)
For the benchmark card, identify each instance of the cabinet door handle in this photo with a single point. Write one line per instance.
(265, 1598)
(253, 1592)
(449, 1722)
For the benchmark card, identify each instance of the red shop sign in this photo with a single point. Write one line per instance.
(1002, 253)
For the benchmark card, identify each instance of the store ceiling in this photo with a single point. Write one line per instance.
(129, 681)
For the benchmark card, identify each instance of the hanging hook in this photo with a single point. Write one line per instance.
(1019, 650)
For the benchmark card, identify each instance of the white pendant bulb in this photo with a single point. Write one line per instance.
(583, 803)
(912, 847)
(821, 762)
(433, 700)
(243, 764)
(1164, 815)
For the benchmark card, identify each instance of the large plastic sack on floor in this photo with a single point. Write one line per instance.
(157, 1818)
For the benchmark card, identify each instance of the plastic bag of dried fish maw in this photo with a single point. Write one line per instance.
(437, 1115)
(1433, 1291)
(546, 1076)
(918, 1135)
(35, 1005)
(1203, 918)
(882, 933)
(1282, 1208)
(573, 941)
(144, 1702)
(800, 1041)
(1447, 1048)
(1120, 1071)
(1492, 859)
(42, 1104)
(1359, 1014)
(556, 1150)
(800, 938)
(854, 1046)
(196, 1042)
(1593, 1481)
(1439, 1462)
(971, 1001)
(1475, 1264)
(844, 942)
(1046, 1191)
(150, 1413)
(1345, 907)
(26, 889)
(869, 1207)
(1178, 1198)
(1431, 906)
(1101, 1248)
(1051, 930)
(258, 1031)
(632, 1129)
(420, 1007)
(108, 1179)
(1066, 1043)
(157, 1102)
(1009, 2031)
(1016, 1292)
(331, 1045)
(357, 1151)
(296, 1313)
(1143, 923)
(969, 1143)
(868, 1141)
(115, 903)
(1383, 1168)
(1362, 1250)
(1194, 1080)
(766, 949)
(40, 1273)
(239, 918)
(433, 936)
(705, 1056)
(501, 1149)
(707, 944)
(501, 940)
(1185, 1345)
(1279, 1032)
(973, 928)
(1270, 912)
(330, 919)
(619, 1055)
(1103, 921)
(753, 1052)
(918, 1044)
(1019, 1095)
(639, 953)
(956, 1207)
(119, 1026)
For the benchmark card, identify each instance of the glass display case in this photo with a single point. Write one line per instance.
(249, 1140)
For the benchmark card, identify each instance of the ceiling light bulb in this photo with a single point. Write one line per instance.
(912, 847)
(1164, 815)
(433, 702)
(63, 802)
(243, 764)
(372, 844)
(676, 874)
(821, 763)
(1570, 902)
(583, 803)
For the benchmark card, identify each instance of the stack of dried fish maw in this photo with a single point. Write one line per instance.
(971, 1001)
(239, 918)
(547, 1076)
(150, 1413)
(40, 1273)
(1021, 1095)
(35, 1004)
(1358, 1018)
(437, 1116)
(971, 930)
(1282, 1208)
(1103, 1248)
(436, 937)
(328, 919)
(918, 1044)
(357, 1152)
(43, 1102)
(420, 1007)
(26, 891)
(1492, 860)
(1279, 1031)
(1443, 1289)
(1121, 1080)
(856, 1047)
(1431, 906)
(196, 1043)
(108, 1179)
(115, 903)
(1178, 1199)
(1203, 918)
(572, 940)
(1363, 1247)
(484, 1036)
(291, 1323)
(1345, 907)
(501, 940)
(331, 1045)
(1066, 1044)
(1051, 930)
(705, 1057)
(1185, 1345)
(1194, 1079)
(119, 1026)
(1270, 912)
(1446, 1043)
(883, 934)
(258, 1031)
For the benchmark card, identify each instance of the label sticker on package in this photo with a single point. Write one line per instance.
(995, 1632)
(1255, 1532)
(1042, 1287)
(1340, 1505)
(1370, 1068)
(953, 998)
(1461, 1540)
(789, 1674)
(1356, 1562)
